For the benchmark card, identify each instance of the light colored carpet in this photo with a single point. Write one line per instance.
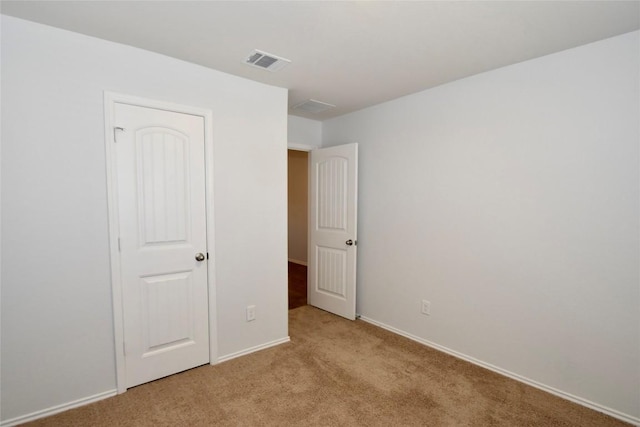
(335, 373)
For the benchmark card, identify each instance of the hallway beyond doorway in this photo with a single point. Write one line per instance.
(297, 285)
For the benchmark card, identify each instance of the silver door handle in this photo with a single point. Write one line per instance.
(200, 256)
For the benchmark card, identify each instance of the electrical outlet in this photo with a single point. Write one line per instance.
(251, 313)
(426, 307)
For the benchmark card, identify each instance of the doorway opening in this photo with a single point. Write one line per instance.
(327, 216)
(297, 167)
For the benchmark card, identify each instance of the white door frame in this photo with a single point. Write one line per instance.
(300, 147)
(110, 99)
(308, 149)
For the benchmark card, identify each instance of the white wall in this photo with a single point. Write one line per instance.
(510, 201)
(57, 327)
(302, 131)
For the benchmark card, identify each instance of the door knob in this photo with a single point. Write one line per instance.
(349, 242)
(200, 256)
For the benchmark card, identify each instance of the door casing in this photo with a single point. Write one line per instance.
(110, 98)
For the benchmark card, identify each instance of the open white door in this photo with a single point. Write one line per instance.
(333, 229)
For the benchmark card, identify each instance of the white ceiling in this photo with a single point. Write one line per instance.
(351, 54)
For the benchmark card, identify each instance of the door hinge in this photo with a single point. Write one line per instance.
(118, 244)
(117, 128)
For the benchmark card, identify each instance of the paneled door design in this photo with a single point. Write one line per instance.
(160, 175)
(333, 229)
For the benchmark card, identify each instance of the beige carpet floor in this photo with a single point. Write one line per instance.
(335, 373)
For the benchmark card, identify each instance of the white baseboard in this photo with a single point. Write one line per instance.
(584, 402)
(110, 393)
(297, 261)
(253, 349)
(59, 408)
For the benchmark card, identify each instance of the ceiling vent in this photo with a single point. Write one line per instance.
(266, 61)
(313, 106)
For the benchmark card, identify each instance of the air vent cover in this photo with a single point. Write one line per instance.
(265, 60)
(313, 106)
